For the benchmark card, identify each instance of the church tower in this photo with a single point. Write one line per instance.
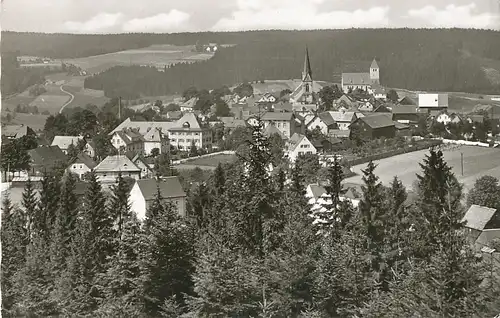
(307, 81)
(375, 72)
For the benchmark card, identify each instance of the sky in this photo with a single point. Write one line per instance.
(169, 16)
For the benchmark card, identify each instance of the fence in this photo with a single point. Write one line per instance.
(422, 145)
(225, 152)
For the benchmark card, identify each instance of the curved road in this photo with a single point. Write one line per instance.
(68, 102)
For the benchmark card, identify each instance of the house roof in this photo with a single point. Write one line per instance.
(295, 140)
(170, 187)
(153, 135)
(85, 159)
(64, 141)
(406, 100)
(268, 116)
(47, 156)
(231, 122)
(478, 216)
(406, 109)
(187, 122)
(400, 126)
(143, 126)
(339, 133)
(307, 72)
(382, 109)
(189, 103)
(130, 136)
(356, 79)
(316, 190)
(14, 131)
(374, 64)
(343, 117)
(117, 163)
(377, 121)
(327, 118)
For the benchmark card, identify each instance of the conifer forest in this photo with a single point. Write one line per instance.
(250, 247)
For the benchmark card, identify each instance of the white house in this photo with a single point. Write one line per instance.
(432, 102)
(90, 149)
(109, 169)
(144, 191)
(287, 123)
(63, 142)
(343, 119)
(128, 140)
(155, 138)
(81, 165)
(443, 118)
(378, 92)
(189, 130)
(323, 121)
(298, 145)
(268, 98)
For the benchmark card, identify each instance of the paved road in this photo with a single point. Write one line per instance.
(68, 102)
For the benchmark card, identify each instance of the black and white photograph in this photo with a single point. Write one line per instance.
(250, 158)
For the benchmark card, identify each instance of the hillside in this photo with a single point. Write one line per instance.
(409, 58)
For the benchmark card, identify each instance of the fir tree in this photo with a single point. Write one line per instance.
(119, 206)
(169, 255)
(29, 203)
(373, 216)
(48, 204)
(219, 180)
(297, 181)
(200, 205)
(13, 251)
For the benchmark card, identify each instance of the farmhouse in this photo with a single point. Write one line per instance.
(81, 165)
(375, 126)
(109, 169)
(482, 224)
(187, 131)
(144, 191)
(63, 142)
(45, 159)
(363, 81)
(298, 145)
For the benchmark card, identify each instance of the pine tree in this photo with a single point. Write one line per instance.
(373, 216)
(297, 181)
(14, 244)
(219, 180)
(280, 181)
(29, 203)
(48, 204)
(119, 206)
(200, 205)
(169, 255)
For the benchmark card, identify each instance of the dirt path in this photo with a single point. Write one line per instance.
(72, 97)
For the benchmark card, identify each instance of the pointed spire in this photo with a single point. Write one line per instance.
(307, 73)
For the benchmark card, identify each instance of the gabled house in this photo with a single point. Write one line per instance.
(145, 164)
(155, 139)
(90, 148)
(271, 130)
(455, 118)
(81, 165)
(443, 118)
(63, 142)
(46, 159)
(268, 98)
(323, 121)
(188, 106)
(315, 191)
(482, 225)
(345, 101)
(144, 191)
(298, 145)
(375, 126)
(378, 92)
(407, 114)
(343, 119)
(109, 169)
(382, 109)
(432, 101)
(190, 130)
(366, 106)
(128, 140)
(287, 123)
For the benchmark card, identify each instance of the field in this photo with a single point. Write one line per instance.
(156, 55)
(35, 122)
(207, 162)
(478, 161)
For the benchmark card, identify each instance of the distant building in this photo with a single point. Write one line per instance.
(343, 119)
(143, 193)
(287, 123)
(375, 126)
(109, 169)
(81, 165)
(188, 106)
(324, 122)
(11, 132)
(298, 145)
(63, 142)
(189, 130)
(90, 148)
(407, 114)
(128, 140)
(45, 159)
(482, 225)
(433, 102)
(303, 96)
(363, 81)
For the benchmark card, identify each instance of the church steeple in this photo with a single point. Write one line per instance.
(307, 73)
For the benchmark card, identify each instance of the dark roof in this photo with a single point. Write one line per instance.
(317, 190)
(170, 187)
(85, 159)
(277, 116)
(382, 109)
(47, 155)
(307, 72)
(377, 121)
(400, 126)
(407, 101)
(477, 217)
(327, 118)
(406, 109)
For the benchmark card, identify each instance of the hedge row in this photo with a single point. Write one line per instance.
(419, 146)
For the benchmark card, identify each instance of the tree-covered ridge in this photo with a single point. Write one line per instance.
(432, 60)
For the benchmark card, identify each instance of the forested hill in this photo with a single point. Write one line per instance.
(419, 59)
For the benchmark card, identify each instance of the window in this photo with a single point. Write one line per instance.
(81, 166)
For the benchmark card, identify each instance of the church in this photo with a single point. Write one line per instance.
(303, 98)
(364, 81)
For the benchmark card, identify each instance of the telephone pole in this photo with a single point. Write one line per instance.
(462, 162)
(120, 108)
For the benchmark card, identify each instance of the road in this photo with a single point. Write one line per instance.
(68, 102)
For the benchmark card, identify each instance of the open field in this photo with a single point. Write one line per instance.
(156, 55)
(36, 122)
(207, 162)
(478, 161)
(50, 102)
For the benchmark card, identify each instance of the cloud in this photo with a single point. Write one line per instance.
(97, 24)
(454, 16)
(298, 14)
(175, 20)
